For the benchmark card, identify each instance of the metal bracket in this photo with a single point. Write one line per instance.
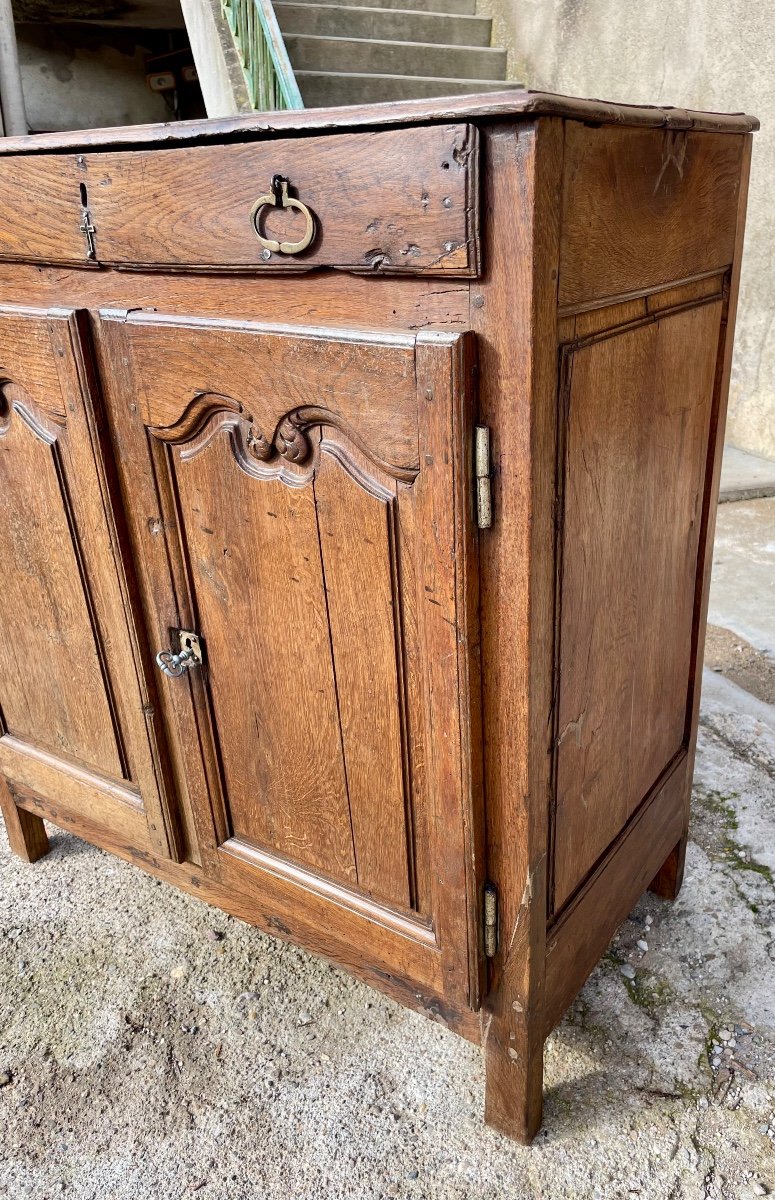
(88, 230)
(186, 651)
(482, 477)
(490, 921)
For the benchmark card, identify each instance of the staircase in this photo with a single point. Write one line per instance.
(291, 53)
(347, 53)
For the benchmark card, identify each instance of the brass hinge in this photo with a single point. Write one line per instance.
(482, 477)
(490, 920)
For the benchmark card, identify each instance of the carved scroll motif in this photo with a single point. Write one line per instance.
(210, 412)
(44, 424)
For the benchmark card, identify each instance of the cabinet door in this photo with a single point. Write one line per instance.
(75, 722)
(301, 503)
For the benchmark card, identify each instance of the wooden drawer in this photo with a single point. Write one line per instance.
(398, 201)
(41, 210)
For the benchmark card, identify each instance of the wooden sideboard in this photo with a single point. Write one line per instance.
(358, 475)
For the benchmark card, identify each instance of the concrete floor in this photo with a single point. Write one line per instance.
(153, 1047)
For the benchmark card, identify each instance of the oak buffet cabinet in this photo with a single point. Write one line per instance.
(358, 472)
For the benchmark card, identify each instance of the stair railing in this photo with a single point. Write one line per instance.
(268, 72)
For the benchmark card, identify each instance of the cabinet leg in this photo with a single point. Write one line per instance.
(668, 879)
(26, 832)
(514, 1065)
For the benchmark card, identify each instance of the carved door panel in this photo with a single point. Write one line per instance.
(75, 721)
(302, 503)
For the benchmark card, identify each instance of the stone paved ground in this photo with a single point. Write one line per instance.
(150, 1046)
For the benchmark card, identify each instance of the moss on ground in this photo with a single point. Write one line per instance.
(727, 850)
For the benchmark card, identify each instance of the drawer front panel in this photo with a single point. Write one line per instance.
(398, 201)
(41, 210)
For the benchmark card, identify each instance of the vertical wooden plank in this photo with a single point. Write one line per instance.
(27, 836)
(514, 309)
(445, 546)
(358, 546)
(669, 878)
(149, 509)
(255, 567)
(420, 866)
(109, 571)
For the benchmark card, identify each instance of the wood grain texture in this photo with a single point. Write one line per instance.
(87, 795)
(317, 299)
(631, 526)
(41, 210)
(356, 520)
(644, 209)
(515, 310)
(188, 370)
(279, 591)
(193, 207)
(254, 554)
(447, 549)
(514, 105)
(54, 692)
(576, 941)
(316, 725)
(27, 837)
(70, 686)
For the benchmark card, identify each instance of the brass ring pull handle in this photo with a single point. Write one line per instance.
(279, 198)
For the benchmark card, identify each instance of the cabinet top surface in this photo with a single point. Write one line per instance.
(514, 104)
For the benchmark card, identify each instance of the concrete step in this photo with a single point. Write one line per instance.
(745, 476)
(385, 25)
(360, 56)
(464, 7)
(329, 89)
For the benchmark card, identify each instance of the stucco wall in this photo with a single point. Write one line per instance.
(712, 54)
(76, 77)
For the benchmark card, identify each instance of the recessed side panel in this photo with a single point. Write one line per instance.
(636, 417)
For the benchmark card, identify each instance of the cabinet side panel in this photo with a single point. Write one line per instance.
(637, 416)
(644, 208)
